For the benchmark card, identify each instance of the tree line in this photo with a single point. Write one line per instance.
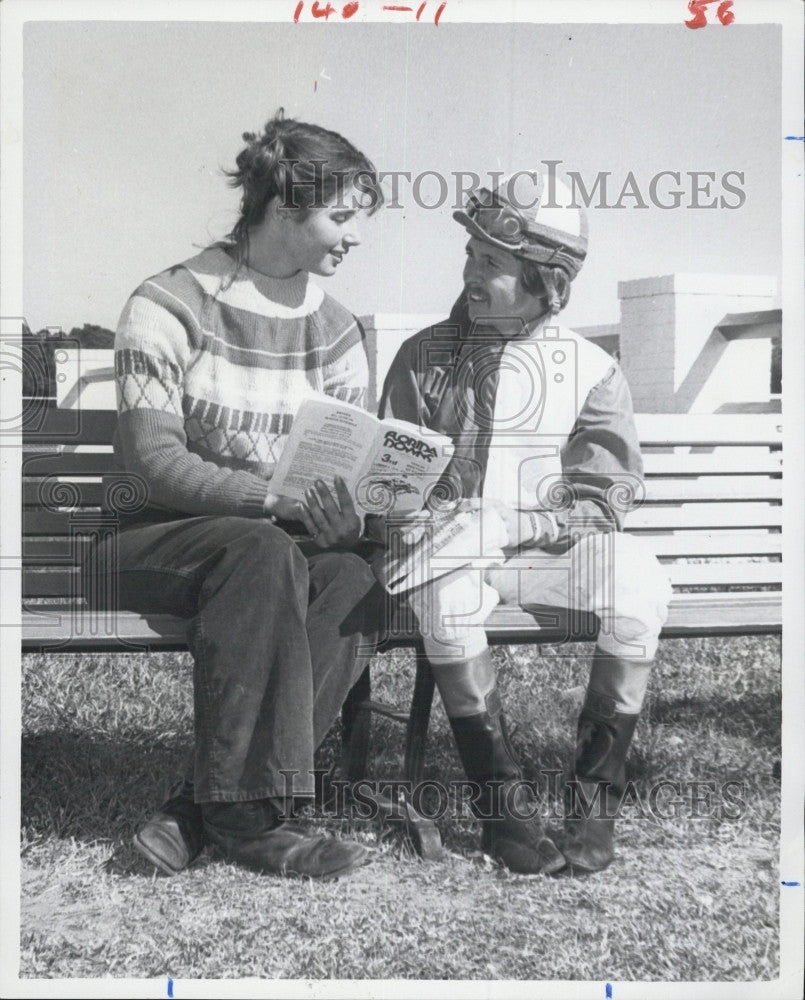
(39, 349)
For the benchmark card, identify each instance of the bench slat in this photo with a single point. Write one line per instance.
(91, 491)
(657, 490)
(63, 426)
(649, 516)
(38, 489)
(42, 550)
(714, 488)
(653, 428)
(723, 461)
(705, 515)
(67, 463)
(709, 428)
(63, 581)
(59, 582)
(51, 627)
(36, 521)
(97, 426)
(690, 615)
(700, 543)
(725, 574)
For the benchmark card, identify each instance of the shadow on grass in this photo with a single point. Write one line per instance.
(92, 787)
(755, 715)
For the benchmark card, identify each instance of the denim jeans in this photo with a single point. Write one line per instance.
(278, 639)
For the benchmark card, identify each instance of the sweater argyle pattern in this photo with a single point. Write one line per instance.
(211, 364)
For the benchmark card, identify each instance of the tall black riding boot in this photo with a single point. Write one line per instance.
(598, 784)
(512, 831)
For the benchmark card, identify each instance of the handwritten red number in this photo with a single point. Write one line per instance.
(699, 9)
(724, 12)
(318, 12)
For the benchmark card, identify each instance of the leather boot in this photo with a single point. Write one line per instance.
(174, 836)
(489, 759)
(253, 834)
(599, 782)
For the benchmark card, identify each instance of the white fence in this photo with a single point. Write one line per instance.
(687, 344)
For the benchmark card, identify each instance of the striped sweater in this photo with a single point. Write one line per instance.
(210, 371)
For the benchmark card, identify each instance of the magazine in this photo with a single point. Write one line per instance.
(389, 466)
(430, 545)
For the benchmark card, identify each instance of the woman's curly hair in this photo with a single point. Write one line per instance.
(306, 166)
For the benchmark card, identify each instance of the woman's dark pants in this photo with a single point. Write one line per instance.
(278, 639)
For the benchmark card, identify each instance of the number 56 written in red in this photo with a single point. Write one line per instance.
(699, 10)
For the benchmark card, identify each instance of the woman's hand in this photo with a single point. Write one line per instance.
(332, 522)
(284, 508)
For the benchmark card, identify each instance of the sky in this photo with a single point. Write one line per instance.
(127, 127)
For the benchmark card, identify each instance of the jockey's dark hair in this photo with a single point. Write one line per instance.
(551, 282)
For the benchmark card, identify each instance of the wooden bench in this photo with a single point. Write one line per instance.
(712, 512)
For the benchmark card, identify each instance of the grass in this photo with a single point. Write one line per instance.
(686, 899)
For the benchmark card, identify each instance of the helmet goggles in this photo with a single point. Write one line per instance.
(499, 219)
(494, 219)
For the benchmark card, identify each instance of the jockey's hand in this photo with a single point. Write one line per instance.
(522, 526)
(374, 528)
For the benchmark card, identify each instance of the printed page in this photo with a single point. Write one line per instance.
(328, 438)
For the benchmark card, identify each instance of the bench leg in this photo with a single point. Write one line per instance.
(357, 723)
(423, 833)
(417, 730)
(356, 718)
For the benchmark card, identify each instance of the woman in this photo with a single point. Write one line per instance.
(212, 358)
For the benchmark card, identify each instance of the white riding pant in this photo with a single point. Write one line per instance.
(612, 575)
